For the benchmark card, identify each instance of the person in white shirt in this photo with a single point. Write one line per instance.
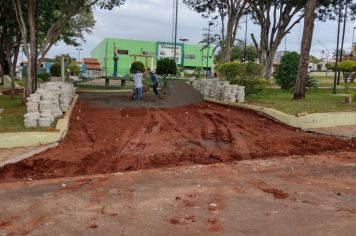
(138, 76)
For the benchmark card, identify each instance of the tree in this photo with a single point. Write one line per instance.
(299, 93)
(287, 71)
(56, 69)
(67, 58)
(348, 69)
(10, 40)
(238, 52)
(229, 13)
(137, 66)
(61, 12)
(277, 18)
(166, 66)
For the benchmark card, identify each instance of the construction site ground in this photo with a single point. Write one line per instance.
(182, 167)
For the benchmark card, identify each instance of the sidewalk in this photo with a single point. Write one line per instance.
(13, 155)
(344, 131)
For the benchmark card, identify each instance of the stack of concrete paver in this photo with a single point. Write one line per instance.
(220, 90)
(48, 103)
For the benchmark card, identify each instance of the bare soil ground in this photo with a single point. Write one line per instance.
(173, 93)
(312, 195)
(106, 139)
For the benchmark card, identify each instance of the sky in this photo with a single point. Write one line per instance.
(152, 20)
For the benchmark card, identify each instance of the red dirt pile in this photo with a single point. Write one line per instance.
(105, 140)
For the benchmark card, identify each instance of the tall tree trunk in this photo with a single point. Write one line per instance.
(299, 93)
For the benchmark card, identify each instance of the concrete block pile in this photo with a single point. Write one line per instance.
(220, 90)
(48, 103)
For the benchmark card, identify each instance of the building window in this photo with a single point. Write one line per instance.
(189, 57)
(123, 52)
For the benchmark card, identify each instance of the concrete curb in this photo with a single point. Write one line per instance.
(308, 121)
(29, 139)
(24, 156)
(103, 91)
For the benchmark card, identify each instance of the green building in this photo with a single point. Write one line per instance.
(188, 56)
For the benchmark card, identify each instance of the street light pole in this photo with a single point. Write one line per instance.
(353, 36)
(36, 53)
(207, 56)
(337, 48)
(245, 48)
(183, 41)
(342, 42)
(175, 32)
(327, 54)
(78, 50)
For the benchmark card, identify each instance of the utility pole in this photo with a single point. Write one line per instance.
(183, 40)
(207, 56)
(327, 54)
(337, 48)
(342, 42)
(175, 33)
(353, 40)
(78, 50)
(245, 48)
(36, 53)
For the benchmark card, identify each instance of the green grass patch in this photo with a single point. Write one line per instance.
(317, 100)
(320, 78)
(12, 119)
(21, 82)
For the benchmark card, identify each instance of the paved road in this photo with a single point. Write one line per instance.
(313, 195)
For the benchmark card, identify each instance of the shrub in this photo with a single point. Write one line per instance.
(310, 82)
(288, 70)
(137, 66)
(249, 75)
(348, 69)
(166, 67)
(330, 66)
(45, 77)
(74, 69)
(56, 69)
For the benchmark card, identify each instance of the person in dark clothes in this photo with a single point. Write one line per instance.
(155, 80)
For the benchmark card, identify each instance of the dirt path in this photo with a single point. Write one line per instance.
(174, 93)
(105, 140)
(313, 195)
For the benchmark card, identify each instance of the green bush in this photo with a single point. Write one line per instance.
(166, 67)
(310, 82)
(288, 70)
(348, 69)
(330, 66)
(137, 66)
(249, 75)
(74, 69)
(56, 69)
(45, 77)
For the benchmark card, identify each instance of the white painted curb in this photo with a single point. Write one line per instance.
(308, 121)
(29, 139)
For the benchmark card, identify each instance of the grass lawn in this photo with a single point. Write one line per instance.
(317, 100)
(12, 117)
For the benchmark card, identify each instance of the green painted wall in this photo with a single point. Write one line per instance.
(194, 57)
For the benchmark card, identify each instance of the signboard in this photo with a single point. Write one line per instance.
(166, 50)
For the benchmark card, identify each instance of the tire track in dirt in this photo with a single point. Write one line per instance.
(105, 140)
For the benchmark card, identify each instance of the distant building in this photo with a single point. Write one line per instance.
(91, 67)
(188, 56)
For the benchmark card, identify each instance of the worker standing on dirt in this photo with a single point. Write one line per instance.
(138, 76)
(155, 80)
